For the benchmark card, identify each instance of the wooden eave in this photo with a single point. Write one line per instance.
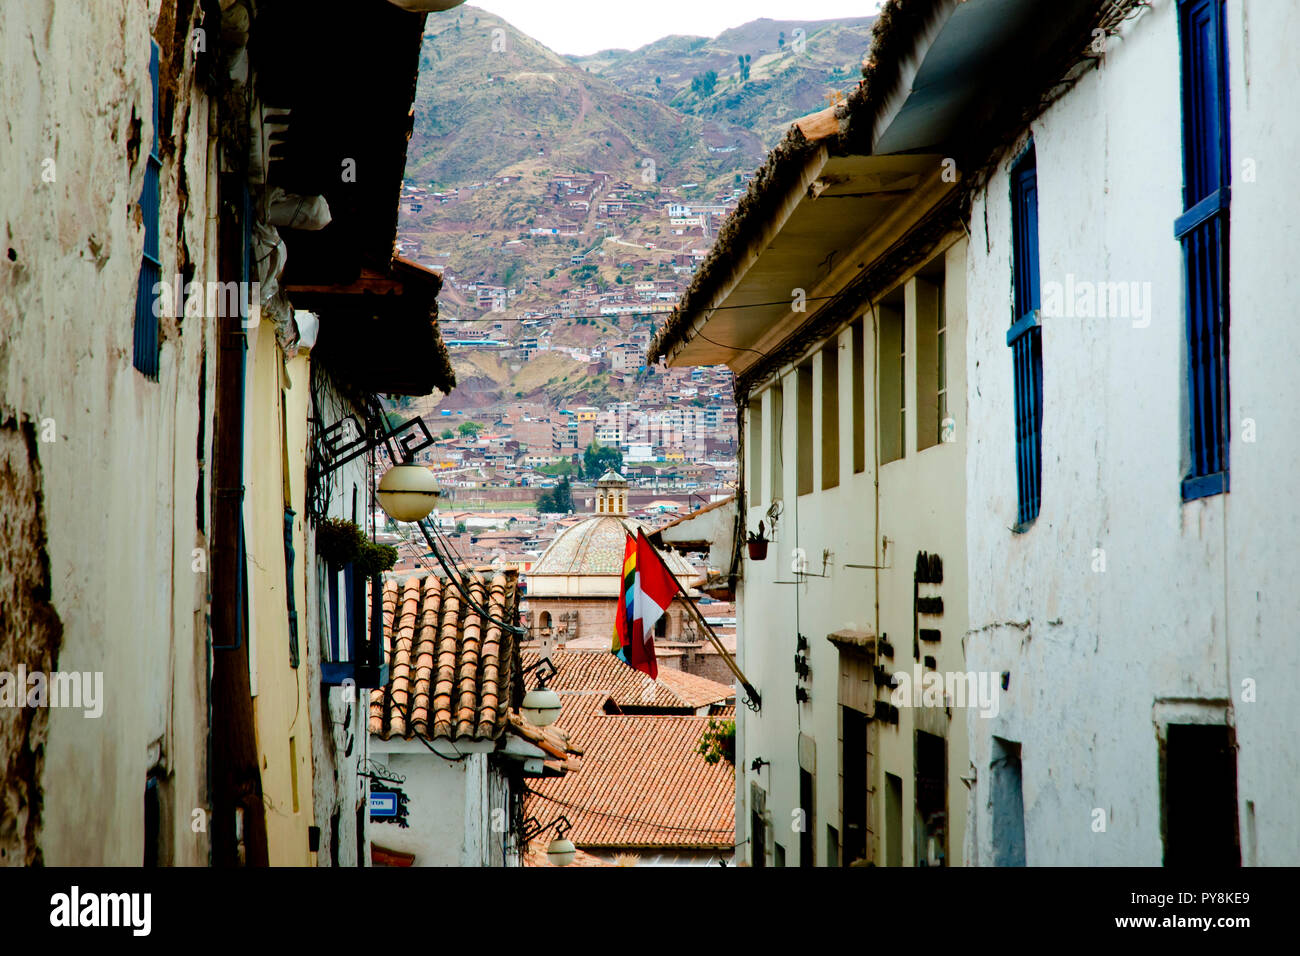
(848, 212)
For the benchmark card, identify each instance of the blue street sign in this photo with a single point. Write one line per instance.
(383, 804)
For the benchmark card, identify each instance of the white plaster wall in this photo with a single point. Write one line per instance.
(1089, 653)
(922, 504)
(922, 508)
(1263, 520)
(436, 809)
(473, 848)
(120, 480)
(769, 618)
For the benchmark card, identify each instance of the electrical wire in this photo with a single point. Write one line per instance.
(484, 613)
(738, 348)
(415, 555)
(455, 578)
(405, 713)
(458, 559)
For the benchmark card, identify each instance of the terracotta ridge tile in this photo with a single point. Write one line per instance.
(467, 679)
(448, 644)
(423, 653)
(400, 679)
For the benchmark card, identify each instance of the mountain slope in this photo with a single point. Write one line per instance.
(489, 98)
(502, 127)
(791, 68)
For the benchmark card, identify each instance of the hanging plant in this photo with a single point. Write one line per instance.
(757, 544)
(341, 542)
(375, 558)
(337, 541)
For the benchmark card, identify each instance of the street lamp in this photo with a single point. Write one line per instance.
(408, 492)
(560, 851)
(541, 705)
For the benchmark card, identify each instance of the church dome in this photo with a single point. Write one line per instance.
(587, 558)
(595, 546)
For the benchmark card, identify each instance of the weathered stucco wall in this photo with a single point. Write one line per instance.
(119, 473)
(273, 472)
(439, 805)
(1192, 598)
(29, 637)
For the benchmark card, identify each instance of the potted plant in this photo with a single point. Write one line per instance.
(757, 544)
(340, 542)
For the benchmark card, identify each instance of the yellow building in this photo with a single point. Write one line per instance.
(275, 423)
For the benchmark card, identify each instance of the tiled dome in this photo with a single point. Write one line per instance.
(595, 547)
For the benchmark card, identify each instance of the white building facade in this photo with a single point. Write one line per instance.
(853, 596)
(1143, 620)
(1108, 489)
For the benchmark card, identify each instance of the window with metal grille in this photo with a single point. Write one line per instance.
(145, 353)
(1203, 231)
(1025, 338)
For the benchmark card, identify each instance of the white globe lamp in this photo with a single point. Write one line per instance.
(541, 707)
(408, 492)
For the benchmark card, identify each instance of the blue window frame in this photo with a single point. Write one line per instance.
(1025, 338)
(145, 352)
(1202, 230)
(345, 597)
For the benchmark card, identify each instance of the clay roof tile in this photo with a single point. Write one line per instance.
(453, 671)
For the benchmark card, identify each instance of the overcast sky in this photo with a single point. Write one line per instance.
(585, 26)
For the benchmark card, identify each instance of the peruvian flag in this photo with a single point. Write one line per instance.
(627, 589)
(654, 591)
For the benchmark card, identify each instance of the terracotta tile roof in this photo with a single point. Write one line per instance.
(697, 691)
(452, 674)
(599, 670)
(642, 783)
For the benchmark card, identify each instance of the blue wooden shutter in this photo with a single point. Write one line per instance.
(347, 616)
(1203, 231)
(1025, 338)
(145, 352)
(332, 585)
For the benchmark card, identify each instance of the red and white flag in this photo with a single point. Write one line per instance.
(654, 591)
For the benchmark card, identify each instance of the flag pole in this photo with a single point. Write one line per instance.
(728, 659)
(725, 654)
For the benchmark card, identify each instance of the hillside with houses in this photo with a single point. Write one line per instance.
(568, 201)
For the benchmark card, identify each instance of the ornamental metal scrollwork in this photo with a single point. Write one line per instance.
(338, 446)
